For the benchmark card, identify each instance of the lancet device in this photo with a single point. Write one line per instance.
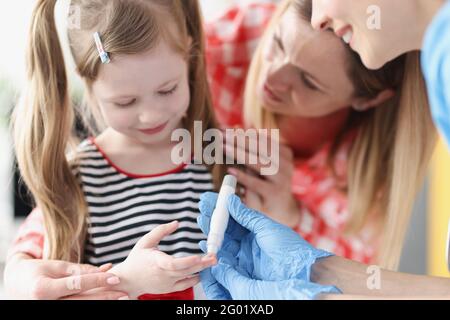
(220, 216)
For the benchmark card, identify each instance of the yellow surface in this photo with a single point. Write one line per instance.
(439, 215)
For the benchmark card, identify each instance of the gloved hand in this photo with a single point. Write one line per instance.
(212, 288)
(266, 250)
(228, 281)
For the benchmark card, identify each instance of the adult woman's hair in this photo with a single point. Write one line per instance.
(389, 157)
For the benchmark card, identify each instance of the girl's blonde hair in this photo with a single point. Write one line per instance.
(389, 158)
(44, 123)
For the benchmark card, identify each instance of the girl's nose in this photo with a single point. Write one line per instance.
(150, 111)
(319, 20)
(147, 117)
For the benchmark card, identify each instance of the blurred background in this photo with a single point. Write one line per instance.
(425, 249)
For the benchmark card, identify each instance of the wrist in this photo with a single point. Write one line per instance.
(18, 257)
(13, 264)
(14, 271)
(328, 270)
(124, 285)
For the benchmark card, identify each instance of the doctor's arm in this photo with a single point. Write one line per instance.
(356, 280)
(261, 259)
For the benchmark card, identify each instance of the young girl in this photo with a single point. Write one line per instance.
(144, 74)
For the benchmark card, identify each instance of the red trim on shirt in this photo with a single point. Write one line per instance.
(133, 175)
(181, 295)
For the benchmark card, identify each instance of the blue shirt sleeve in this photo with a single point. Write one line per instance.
(436, 69)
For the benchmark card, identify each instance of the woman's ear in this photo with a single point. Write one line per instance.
(362, 104)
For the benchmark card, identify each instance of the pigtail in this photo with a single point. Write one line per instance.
(42, 128)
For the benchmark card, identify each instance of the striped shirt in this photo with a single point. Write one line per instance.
(124, 207)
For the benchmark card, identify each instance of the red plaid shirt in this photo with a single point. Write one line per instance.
(231, 42)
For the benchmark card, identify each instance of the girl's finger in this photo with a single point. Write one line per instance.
(205, 263)
(186, 283)
(153, 238)
(169, 263)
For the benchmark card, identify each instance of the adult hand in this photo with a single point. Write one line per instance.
(228, 281)
(263, 250)
(35, 279)
(270, 194)
(224, 281)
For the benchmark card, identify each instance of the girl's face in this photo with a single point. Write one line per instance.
(144, 96)
(304, 71)
(369, 27)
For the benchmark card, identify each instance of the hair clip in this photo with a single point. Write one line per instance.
(101, 51)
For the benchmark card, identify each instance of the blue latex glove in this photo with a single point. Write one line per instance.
(263, 250)
(228, 281)
(213, 289)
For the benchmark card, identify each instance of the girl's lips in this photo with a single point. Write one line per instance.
(154, 130)
(269, 93)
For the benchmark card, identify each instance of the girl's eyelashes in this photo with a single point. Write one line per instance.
(161, 93)
(127, 104)
(168, 92)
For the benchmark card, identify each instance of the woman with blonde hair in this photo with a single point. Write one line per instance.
(356, 142)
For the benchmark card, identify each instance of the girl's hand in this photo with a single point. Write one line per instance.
(271, 195)
(150, 271)
(35, 279)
